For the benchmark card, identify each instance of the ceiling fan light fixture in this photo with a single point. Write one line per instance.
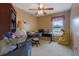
(41, 5)
(40, 12)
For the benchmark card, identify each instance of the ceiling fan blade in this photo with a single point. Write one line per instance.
(42, 9)
(36, 13)
(44, 12)
(33, 9)
(47, 8)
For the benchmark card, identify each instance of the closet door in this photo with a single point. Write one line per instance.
(4, 18)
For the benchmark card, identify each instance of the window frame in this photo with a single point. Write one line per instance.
(61, 16)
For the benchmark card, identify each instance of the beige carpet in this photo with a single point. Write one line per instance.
(51, 49)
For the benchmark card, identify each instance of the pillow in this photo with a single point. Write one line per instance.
(13, 36)
(8, 34)
(5, 37)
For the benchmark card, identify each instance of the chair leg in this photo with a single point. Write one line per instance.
(35, 43)
(38, 42)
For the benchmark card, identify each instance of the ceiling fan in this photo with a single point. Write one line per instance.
(41, 9)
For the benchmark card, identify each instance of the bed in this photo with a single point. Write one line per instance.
(12, 45)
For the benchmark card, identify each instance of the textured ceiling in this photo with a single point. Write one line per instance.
(58, 7)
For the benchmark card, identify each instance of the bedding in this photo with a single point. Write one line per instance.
(9, 45)
(7, 49)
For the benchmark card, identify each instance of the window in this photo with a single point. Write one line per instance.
(57, 25)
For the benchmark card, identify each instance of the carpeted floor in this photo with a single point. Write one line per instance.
(51, 49)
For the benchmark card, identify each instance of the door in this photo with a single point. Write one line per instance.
(75, 33)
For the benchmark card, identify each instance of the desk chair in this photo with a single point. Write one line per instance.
(36, 39)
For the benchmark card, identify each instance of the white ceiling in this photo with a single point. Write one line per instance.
(58, 7)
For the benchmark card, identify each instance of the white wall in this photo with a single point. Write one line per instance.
(75, 27)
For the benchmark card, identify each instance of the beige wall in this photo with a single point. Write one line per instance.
(23, 16)
(74, 25)
(44, 22)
